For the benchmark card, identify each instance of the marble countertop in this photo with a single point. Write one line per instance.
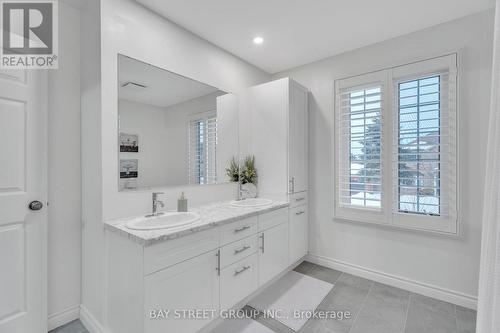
(211, 215)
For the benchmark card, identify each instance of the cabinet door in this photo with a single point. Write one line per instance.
(267, 103)
(190, 285)
(298, 138)
(238, 281)
(298, 244)
(273, 254)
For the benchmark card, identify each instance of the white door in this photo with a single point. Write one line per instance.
(273, 257)
(23, 239)
(190, 285)
(298, 243)
(298, 140)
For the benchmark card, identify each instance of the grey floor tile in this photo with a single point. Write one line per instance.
(73, 327)
(323, 273)
(384, 311)
(325, 326)
(430, 316)
(434, 304)
(348, 294)
(466, 320)
(391, 293)
(305, 267)
(355, 281)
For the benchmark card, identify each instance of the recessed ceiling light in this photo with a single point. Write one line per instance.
(258, 40)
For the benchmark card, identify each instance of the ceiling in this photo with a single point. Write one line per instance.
(163, 88)
(297, 32)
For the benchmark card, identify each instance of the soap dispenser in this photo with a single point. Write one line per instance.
(182, 204)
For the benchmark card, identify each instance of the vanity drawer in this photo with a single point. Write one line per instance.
(271, 219)
(233, 252)
(237, 230)
(171, 252)
(298, 199)
(238, 281)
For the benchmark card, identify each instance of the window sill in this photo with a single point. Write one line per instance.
(454, 232)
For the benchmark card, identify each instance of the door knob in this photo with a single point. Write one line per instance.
(35, 205)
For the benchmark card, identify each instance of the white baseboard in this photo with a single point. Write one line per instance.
(90, 322)
(425, 289)
(63, 317)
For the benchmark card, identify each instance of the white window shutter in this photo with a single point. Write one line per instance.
(396, 146)
(360, 150)
(211, 150)
(425, 149)
(196, 151)
(202, 149)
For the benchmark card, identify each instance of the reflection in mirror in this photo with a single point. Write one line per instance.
(173, 130)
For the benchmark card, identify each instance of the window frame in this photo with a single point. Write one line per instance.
(389, 214)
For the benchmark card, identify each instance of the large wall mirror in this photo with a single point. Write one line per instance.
(173, 131)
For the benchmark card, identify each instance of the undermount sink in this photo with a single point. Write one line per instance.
(251, 202)
(166, 220)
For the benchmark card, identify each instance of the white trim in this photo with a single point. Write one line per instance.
(443, 294)
(90, 322)
(63, 317)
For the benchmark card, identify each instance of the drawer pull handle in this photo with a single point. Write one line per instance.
(241, 229)
(241, 270)
(300, 213)
(244, 248)
(262, 244)
(217, 254)
(300, 199)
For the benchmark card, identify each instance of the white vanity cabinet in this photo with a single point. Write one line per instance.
(298, 233)
(279, 136)
(279, 141)
(273, 249)
(190, 285)
(208, 270)
(273, 255)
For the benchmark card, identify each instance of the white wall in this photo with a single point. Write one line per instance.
(64, 174)
(92, 235)
(149, 123)
(130, 29)
(228, 137)
(445, 267)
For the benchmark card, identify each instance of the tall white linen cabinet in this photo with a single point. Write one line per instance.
(279, 141)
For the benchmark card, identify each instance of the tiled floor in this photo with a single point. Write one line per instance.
(73, 327)
(375, 308)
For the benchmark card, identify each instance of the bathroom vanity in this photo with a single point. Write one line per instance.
(175, 271)
(187, 273)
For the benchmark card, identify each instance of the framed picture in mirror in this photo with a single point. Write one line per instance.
(129, 168)
(129, 143)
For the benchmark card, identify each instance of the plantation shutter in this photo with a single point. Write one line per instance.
(202, 150)
(211, 150)
(396, 147)
(425, 145)
(360, 133)
(196, 151)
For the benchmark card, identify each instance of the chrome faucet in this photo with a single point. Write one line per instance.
(156, 203)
